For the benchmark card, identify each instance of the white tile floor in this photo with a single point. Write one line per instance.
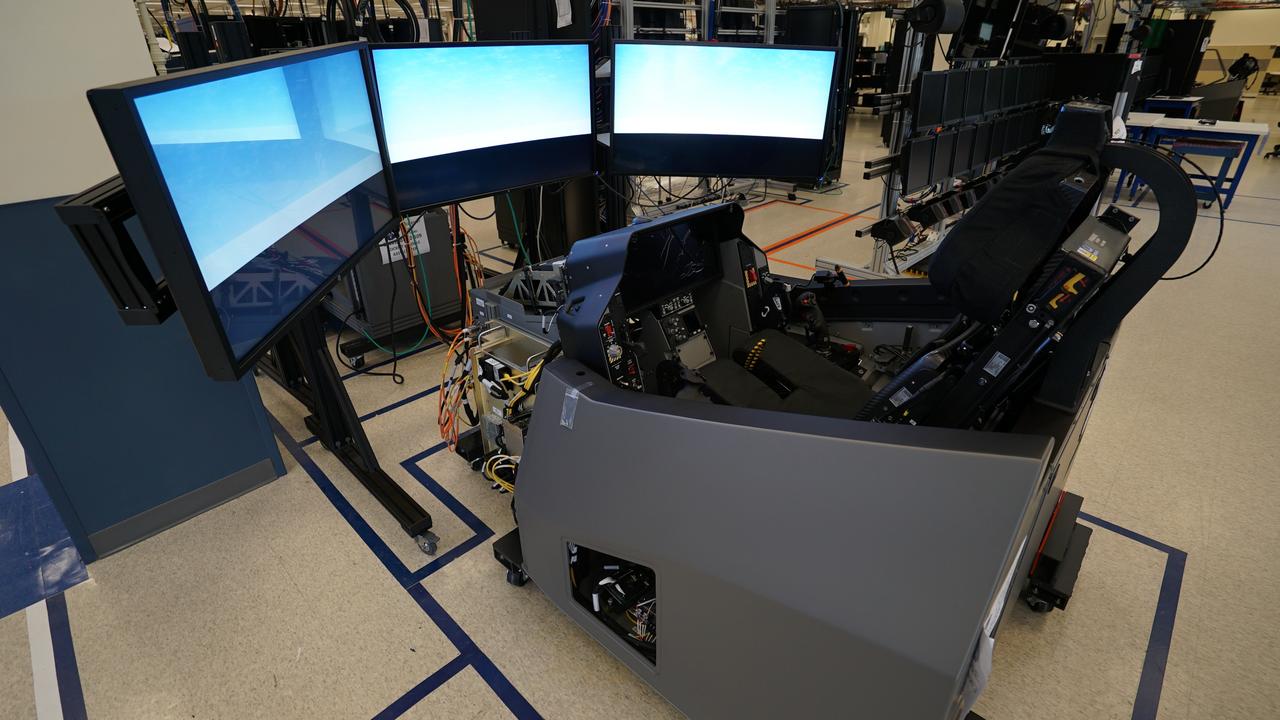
(274, 606)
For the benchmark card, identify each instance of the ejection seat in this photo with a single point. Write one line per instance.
(1000, 250)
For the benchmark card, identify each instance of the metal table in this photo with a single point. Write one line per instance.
(1163, 130)
(1187, 105)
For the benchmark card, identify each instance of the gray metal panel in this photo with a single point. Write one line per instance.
(368, 288)
(167, 514)
(806, 566)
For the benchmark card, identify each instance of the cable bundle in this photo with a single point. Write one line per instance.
(496, 466)
(455, 382)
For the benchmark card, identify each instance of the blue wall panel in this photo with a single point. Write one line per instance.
(116, 419)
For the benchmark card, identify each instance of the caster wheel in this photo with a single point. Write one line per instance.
(516, 577)
(791, 196)
(428, 543)
(357, 362)
(1039, 605)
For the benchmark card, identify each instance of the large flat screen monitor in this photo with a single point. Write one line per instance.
(256, 184)
(715, 109)
(475, 119)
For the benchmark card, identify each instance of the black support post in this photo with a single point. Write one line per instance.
(335, 423)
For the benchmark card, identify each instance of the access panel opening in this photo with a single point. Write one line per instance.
(620, 594)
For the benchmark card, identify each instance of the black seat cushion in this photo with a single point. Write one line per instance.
(818, 387)
(994, 249)
(802, 368)
(732, 384)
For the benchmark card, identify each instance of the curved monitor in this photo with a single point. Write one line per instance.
(473, 119)
(715, 109)
(256, 183)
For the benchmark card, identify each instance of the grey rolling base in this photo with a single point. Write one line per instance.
(805, 566)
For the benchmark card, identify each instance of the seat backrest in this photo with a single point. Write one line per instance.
(1002, 242)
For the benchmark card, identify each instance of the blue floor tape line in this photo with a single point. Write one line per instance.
(399, 403)
(382, 411)
(1126, 532)
(1151, 682)
(430, 344)
(424, 688)
(503, 688)
(502, 260)
(70, 692)
(865, 209)
(480, 531)
(341, 504)
(1154, 664)
(489, 672)
(411, 581)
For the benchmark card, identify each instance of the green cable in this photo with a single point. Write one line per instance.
(519, 235)
(422, 273)
(426, 293)
(401, 353)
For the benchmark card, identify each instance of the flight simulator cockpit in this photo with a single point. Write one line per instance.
(695, 313)
(724, 455)
(686, 306)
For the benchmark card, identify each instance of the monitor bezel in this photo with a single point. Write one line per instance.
(828, 124)
(117, 115)
(593, 170)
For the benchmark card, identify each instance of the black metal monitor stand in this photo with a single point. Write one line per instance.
(304, 367)
(301, 363)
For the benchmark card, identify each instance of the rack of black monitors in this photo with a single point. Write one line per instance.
(962, 119)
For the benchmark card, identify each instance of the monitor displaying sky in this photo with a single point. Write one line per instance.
(721, 90)
(248, 159)
(443, 100)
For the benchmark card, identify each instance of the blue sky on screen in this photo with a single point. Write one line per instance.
(709, 90)
(442, 100)
(248, 158)
(247, 107)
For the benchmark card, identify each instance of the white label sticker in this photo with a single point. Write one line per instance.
(392, 251)
(996, 364)
(570, 407)
(900, 397)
